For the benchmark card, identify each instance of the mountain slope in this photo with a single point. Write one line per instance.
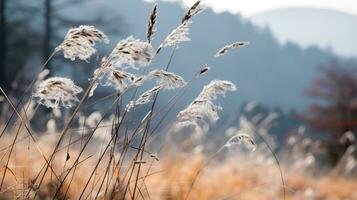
(265, 71)
(307, 26)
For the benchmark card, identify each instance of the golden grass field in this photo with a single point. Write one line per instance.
(170, 177)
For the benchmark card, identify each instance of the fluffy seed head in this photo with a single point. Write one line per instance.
(215, 88)
(227, 48)
(146, 96)
(143, 99)
(79, 42)
(203, 107)
(167, 80)
(131, 52)
(57, 91)
(177, 36)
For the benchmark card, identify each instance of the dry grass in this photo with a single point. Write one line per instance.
(172, 175)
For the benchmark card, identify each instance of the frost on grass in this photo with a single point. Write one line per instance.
(55, 92)
(80, 41)
(203, 106)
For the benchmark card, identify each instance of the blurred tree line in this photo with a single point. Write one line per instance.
(335, 111)
(31, 29)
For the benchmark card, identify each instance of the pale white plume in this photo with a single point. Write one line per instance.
(57, 91)
(177, 36)
(215, 88)
(147, 96)
(167, 80)
(203, 107)
(229, 47)
(80, 41)
(131, 52)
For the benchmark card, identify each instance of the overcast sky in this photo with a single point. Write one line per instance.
(251, 7)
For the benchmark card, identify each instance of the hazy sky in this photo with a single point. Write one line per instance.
(251, 7)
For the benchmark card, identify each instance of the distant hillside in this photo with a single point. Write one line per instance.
(306, 26)
(265, 71)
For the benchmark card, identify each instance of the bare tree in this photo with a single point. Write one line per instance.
(335, 112)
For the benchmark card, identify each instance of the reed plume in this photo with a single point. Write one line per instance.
(57, 91)
(192, 11)
(146, 96)
(178, 35)
(203, 107)
(151, 24)
(79, 42)
(167, 80)
(131, 52)
(229, 47)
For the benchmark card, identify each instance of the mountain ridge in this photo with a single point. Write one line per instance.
(307, 26)
(265, 71)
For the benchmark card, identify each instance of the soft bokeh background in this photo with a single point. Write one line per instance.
(290, 40)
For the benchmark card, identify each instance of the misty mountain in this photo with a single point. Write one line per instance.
(265, 71)
(305, 26)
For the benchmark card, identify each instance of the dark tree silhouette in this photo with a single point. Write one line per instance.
(31, 29)
(335, 111)
(3, 46)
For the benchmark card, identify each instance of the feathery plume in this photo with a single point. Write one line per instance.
(216, 87)
(146, 96)
(177, 36)
(194, 10)
(227, 48)
(118, 79)
(131, 52)
(240, 138)
(198, 110)
(151, 24)
(57, 91)
(203, 107)
(181, 33)
(79, 42)
(143, 99)
(167, 80)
